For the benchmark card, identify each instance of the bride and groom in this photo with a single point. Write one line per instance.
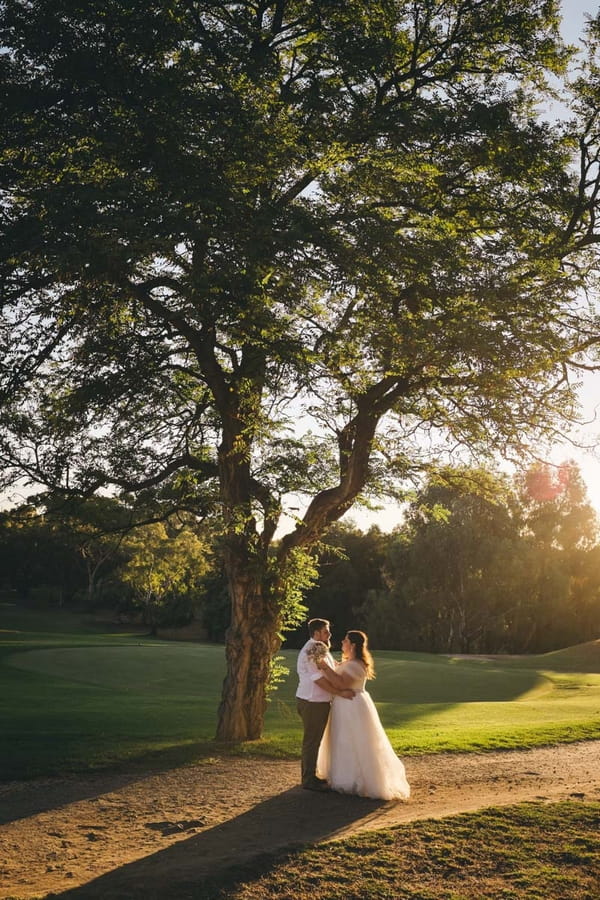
(344, 747)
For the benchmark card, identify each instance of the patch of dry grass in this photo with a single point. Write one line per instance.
(532, 851)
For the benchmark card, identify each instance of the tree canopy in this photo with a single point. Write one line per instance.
(262, 249)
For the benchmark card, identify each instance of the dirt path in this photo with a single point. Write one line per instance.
(131, 835)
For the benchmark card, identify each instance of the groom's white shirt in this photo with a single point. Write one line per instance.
(308, 674)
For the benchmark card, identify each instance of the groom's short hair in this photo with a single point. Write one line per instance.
(317, 625)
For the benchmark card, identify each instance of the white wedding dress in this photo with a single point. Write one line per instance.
(355, 755)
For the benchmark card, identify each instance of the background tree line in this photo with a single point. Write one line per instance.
(481, 564)
(88, 556)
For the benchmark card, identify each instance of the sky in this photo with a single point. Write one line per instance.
(588, 460)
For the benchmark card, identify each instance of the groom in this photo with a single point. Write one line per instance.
(313, 699)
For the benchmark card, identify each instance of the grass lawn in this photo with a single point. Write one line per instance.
(74, 697)
(526, 852)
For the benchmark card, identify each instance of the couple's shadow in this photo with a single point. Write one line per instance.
(201, 865)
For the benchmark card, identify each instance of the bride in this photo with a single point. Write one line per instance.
(355, 755)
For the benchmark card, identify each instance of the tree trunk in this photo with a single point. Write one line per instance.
(251, 642)
(253, 636)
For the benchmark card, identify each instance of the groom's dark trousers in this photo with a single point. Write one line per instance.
(314, 717)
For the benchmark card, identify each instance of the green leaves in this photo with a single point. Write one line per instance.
(285, 243)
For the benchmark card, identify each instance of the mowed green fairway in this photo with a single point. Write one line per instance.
(73, 698)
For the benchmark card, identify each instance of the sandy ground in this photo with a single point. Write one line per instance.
(160, 834)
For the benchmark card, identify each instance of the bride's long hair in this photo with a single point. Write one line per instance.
(360, 642)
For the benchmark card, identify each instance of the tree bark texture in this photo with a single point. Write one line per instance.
(251, 642)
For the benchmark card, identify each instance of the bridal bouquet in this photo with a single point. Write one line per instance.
(317, 652)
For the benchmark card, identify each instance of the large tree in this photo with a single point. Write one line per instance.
(164, 572)
(262, 249)
(560, 530)
(453, 568)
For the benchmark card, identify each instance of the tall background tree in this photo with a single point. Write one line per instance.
(261, 249)
(350, 565)
(165, 572)
(40, 560)
(560, 530)
(95, 529)
(452, 568)
(484, 564)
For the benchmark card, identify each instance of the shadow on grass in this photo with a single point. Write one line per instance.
(232, 852)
